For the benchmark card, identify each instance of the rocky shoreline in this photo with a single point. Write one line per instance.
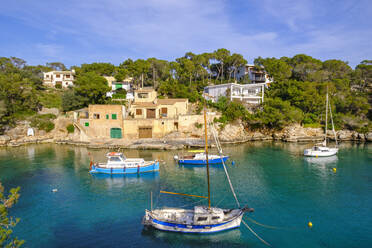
(229, 134)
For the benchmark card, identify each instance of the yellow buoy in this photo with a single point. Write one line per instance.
(334, 170)
(310, 225)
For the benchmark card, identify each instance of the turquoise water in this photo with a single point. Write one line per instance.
(286, 190)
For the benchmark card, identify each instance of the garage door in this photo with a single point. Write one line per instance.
(115, 133)
(145, 132)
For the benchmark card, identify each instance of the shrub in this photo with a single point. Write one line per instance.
(43, 122)
(198, 125)
(58, 86)
(70, 128)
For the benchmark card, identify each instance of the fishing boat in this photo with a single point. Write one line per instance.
(200, 219)
(321, 149)
(117, 163)
(200, 159)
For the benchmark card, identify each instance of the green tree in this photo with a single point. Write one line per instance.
(8, 223)
(91, 88)
(276, 114)
(72, 101)
(102, 69)
(56, 66)
(276, 68)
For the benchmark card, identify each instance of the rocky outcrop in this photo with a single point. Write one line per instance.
(368, 136)
(4, 139)
(345, 135)
(53, 111)
(297, 133)
(233, 133)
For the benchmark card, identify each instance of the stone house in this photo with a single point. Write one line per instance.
(104, 121)
(146, 117)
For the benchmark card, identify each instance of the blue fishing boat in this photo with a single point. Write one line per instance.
(117, 163)
(200, 159)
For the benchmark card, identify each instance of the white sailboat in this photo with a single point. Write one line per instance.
(322, 150)
(200, 219)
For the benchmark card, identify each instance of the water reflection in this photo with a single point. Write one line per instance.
(119, 181)
(322, 161)
(229, 238)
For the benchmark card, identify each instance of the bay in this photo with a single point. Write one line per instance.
(285, 189)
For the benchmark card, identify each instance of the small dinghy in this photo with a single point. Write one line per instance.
(117, 163)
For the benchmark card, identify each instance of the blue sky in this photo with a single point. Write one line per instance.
(86, 31)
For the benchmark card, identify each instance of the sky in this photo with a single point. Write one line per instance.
(87, 31)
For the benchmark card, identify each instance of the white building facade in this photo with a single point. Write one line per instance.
(249, 93)
(255, 75)
(63, 78)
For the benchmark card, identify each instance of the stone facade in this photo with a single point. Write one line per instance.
(103, 119)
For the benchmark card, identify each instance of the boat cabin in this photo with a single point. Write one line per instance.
(203, 216)
(115, 157)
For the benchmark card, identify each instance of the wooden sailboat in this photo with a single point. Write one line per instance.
(322, 150)
(200, 219)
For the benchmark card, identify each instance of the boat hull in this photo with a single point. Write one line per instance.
(127, 170)
(197, 229)
(202, 162)
(311, 153)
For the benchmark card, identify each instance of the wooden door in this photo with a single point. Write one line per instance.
(145, 132)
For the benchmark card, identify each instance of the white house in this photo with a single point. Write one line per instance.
(63, 78)
(255, 75)
(249, 93)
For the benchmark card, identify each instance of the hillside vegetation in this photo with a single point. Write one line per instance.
(296, 96)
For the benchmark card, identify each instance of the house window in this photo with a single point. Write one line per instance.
(164, 112)
(107, 117)
(138, 111)
(47, 76)
(67, 76)
(95, 116)
(113, 116)
(143, 95)
(57, 75)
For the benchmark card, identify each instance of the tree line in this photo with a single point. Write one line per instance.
(297, 94)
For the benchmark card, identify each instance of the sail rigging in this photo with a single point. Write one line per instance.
(206, 155)
(219, 148)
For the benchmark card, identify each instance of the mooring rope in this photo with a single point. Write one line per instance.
(219, 148)
(263, 225)
(255, 234)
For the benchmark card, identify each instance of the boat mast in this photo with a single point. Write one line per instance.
(325, 133)
(206, 155)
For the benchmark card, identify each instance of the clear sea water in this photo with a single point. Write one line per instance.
(285, 189)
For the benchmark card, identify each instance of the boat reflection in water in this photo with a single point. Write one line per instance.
(120, 180)
(323, 161)
(234, 237)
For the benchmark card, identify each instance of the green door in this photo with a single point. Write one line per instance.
(115, 133)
